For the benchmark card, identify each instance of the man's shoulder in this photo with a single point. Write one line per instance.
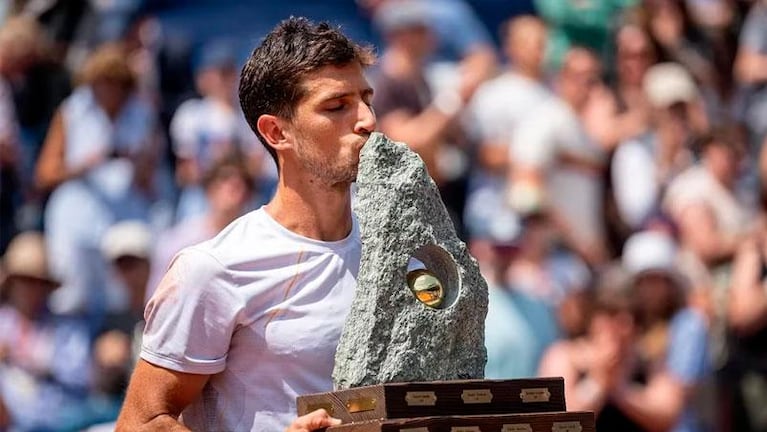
(249, 234)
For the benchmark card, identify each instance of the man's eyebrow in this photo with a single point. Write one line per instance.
(366, 92)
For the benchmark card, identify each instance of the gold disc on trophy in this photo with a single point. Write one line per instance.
(426, 287)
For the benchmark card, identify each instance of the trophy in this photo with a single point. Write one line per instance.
(411, 356)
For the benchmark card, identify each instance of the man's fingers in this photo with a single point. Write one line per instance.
(314, 420)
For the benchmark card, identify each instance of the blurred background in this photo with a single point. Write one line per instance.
(603, 160)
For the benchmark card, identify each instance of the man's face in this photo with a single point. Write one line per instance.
(526, 45)
(331, 123)
(580, 74)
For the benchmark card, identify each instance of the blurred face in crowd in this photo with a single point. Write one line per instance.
(673, 123)
(723, 160)
(579, 75)
(20, 41)
(526, 44)
(29, 295)
(110, 95)
(134, 272)
(330, 124)
(218, 82)
(573, 313)
(657, 295)
(418, 40)
(612, 328)
(539, 235)
(229, 191)
(635, 56)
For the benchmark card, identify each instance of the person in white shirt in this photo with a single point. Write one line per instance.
(243, 323)
(554, 155)
(498, 107)
(211, 128)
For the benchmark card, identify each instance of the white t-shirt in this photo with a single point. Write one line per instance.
(260, 309)
(501, 103)
(545, 135)
(697, 185)
(636, 196)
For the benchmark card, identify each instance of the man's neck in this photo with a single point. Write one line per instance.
(313, 211)
(530, 73)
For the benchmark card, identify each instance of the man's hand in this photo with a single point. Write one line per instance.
(313, 421)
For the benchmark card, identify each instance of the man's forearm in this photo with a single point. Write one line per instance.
(163, 422)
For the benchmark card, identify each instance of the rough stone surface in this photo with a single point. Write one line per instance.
(389, 335)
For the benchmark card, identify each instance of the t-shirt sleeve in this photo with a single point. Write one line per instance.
(191, 317)
(688, 356)
(753, 34)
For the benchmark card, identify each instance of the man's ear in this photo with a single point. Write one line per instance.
(272, 128)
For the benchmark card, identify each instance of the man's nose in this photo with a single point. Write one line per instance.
(366, 119)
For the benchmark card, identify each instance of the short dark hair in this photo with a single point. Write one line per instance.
(223, 167)
(271, 80)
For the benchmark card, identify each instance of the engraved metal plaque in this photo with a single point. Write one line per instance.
(360, 404)
(519, 427)
(465, 429)
(421, 398)
(477, 396)
(535, 395)
(571, 426)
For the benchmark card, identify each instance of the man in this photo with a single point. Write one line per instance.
(555, 155)
(211, 128)
(408, 109)
(245, 322)
(498, 107)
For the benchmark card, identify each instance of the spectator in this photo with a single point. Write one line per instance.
(497, 108)
(460, 36)
(712, 219)
(46, 364)
(127, 247)
(9, 156)
(500, 103)
(406, 109)
(744, 376)
(552, 151)
(751, 72)
(97, 159)
(589, 362)
(519, 326)
(31, 86)
(672, 340)
(228, 187)
(646, 353)
(211, 128)
(718, 22)
(663, 152)
(679, 41)
(542, 270)
(635, 54)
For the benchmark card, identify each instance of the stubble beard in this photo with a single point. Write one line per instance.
(332, 175)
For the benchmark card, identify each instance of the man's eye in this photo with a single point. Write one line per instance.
(338, 107)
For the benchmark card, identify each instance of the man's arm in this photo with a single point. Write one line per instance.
(155, 398)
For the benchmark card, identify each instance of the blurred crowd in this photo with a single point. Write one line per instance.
(603, 160)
